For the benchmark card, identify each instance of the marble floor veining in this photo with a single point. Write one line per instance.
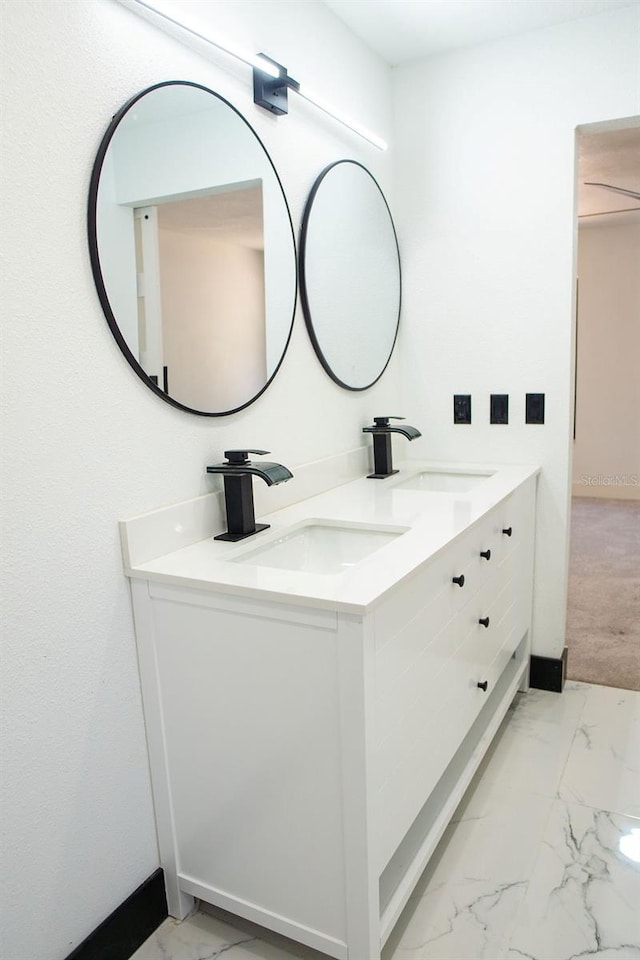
(541, 860)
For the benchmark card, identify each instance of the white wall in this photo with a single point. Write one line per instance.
(85, 443)
(606, 452)
(484, 161)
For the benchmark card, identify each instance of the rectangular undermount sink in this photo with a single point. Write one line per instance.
(319, 546)
(444, 481)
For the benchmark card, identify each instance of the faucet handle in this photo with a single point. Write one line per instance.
(242, 456)
(384, 421)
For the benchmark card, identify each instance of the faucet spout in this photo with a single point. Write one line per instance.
(237, 471)
(238, 464)
(409, 432)
(382, 453)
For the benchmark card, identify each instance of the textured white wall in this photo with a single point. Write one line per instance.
(85, 443)
(606, 452)
(484, 162)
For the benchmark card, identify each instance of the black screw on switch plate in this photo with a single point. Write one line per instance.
(462, 408)
(499, 408)
(534, 408)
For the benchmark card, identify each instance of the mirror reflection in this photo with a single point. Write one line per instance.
(350, 283)
(192, 248)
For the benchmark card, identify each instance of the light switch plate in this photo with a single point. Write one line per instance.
(499, 408)
(462, 408)
(535, 408)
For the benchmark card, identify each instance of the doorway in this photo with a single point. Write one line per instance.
(603, 611)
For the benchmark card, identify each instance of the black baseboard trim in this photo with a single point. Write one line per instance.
(548, 673)
(129, 925)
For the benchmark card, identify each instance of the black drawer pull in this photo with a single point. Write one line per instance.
(484, 621)
(483, 685)
(486, 554)
(508, 531)
(459, 580)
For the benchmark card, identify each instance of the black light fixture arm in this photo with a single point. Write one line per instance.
(272, 93)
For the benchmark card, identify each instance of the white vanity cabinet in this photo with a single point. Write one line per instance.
(306, 760)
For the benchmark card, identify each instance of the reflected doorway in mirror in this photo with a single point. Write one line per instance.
(192, 248)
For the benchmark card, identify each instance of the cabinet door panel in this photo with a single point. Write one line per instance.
(407, 602)
(397, 657)
(411, 704)
(251, 719)
(431, 734)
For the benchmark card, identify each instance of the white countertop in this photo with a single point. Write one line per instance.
(433, 520)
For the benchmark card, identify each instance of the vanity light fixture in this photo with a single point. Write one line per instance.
(363, 132)
(271, 81)
(269, 89)
(272, 95)
(140, 6)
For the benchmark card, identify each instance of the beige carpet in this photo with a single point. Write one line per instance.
(603, 614)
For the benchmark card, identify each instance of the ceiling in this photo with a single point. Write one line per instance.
(230, 216)
(401, 31)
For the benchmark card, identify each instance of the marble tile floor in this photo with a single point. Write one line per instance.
(540, 862)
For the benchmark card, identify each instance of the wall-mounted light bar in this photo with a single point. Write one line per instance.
(271, 81)
(140, 6)
(368, 135)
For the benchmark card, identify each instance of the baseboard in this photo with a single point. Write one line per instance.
(548, 673)
(629, 491)
(129, 925)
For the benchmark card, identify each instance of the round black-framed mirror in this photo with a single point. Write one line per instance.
(350, 275)
(192, 248)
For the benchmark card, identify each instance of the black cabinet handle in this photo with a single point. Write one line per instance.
(459, 580)
(484, 621)
(483, 685)
(486, 554)
(508, 531)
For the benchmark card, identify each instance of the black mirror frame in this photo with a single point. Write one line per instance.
(95, 258)
(304, 299)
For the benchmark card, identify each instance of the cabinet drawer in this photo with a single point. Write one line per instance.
(514, 529)
(478, 559)
(475, 558)
(472, 559)
(500, 661)
(501, 621)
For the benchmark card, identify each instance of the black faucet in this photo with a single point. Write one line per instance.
(382, 455)
(238, 490)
